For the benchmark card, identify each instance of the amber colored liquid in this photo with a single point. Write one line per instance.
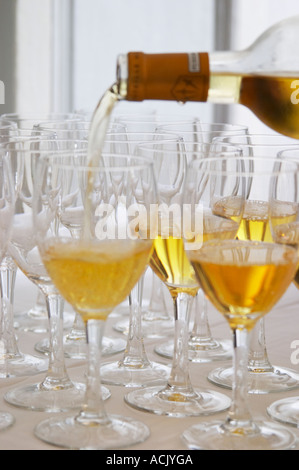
(255, 224)
(96, 277)
(170, 263)
(271, 98)
(244, 279)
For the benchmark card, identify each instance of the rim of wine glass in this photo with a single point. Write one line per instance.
(244, 172)
(151, 147)
(213, 126)
(44, 139)
(20, 116)
(5, 124)
(287, 151)
(155, 117)
(282, 140)
(135, 162)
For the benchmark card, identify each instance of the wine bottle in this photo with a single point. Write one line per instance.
(264, 77)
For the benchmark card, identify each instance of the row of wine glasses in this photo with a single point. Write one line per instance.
(221, 184)
(167, 172)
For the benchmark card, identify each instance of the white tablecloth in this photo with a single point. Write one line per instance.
(282, 328)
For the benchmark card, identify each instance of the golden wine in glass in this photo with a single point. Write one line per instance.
(94, 272)
(243, 279)
(264, 377)
(169, 260)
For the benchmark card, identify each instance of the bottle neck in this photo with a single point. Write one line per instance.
(175, 77)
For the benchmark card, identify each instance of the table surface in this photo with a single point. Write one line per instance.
(165, 432)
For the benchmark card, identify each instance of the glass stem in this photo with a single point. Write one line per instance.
(57, 377)
(135, 355)
(94, 411)
(258, 358)
(157, 309)
(8, 271)
(201, 333)
(239, 419)
(78, 331)
(179, 379)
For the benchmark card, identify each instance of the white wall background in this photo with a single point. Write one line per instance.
(103, 29)
(60, 55)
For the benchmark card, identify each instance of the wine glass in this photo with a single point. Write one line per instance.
(73, 129)
(203, 347)
(243, 279)
(263, 376)
(7, 199)
(285, 191)
(36, 319)
(15, 363)
(56, 392)
(169, 261)
(95, 272)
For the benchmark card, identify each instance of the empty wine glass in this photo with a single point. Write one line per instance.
(95, 272)
(7, 199)
(15, 363)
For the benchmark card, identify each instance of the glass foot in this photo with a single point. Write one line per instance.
(39, 324)
(114, 373)
(6, 420)
(22, 365)
(279, 380)
(161, 402)
(212, 436)
(157, 328)
(220, 351)
(68, 433)
(77, 349)
(285, 410)
(35, 398)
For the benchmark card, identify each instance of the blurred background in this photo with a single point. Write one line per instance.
(60, 55)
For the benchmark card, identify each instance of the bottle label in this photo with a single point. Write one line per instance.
(194, 64)
(177, 77)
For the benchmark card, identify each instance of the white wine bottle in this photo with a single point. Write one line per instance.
(263, 77)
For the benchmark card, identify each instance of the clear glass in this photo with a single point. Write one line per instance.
(286, 409)
(56, 392)
(88, 271)
(169, 261)
(242, 304)
(16, 363)
(7, 199)
(263, 376)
